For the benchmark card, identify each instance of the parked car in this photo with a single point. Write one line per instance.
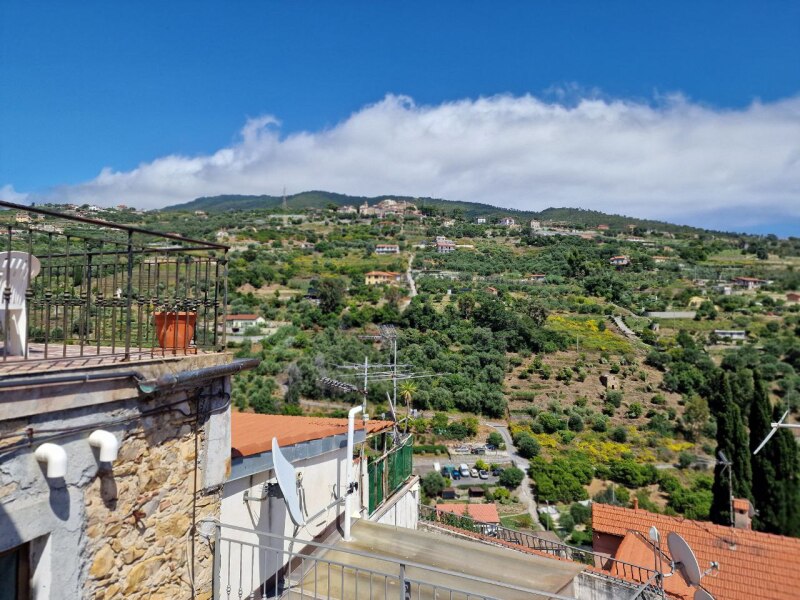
(496, 471)
(473, 472)
(446, 472)
(464, 469)
(480, 450)
(455, 474)
(491, 447)
(483, 474)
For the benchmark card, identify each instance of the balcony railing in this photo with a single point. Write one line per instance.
(613, 567)
(99, 290)
(273, 568)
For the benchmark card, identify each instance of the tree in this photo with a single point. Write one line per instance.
(732, 441)
(432, 484)
(495, 439)
(775, 484)
(527, 446)
(331, 292)
(407, 391)
(695, 415)
(511, 478)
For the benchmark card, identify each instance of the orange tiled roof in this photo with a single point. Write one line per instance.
(252, 433)
(385, 273)
(741, 504)
(751, 564)
(485, 513)
(245, 317)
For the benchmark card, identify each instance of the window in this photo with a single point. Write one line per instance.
(14, 573)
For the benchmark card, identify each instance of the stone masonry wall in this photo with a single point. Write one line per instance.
(122, 530)
(139, 516)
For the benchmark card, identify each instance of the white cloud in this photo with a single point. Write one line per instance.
(9, 194)
(671, 159)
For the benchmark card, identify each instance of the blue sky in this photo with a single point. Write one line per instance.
(96, 85)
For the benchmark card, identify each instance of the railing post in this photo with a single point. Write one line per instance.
(129, 300)
(216, 569)
(405, 588)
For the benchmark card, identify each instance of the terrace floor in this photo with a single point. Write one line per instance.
(60, 357)
(389, 545)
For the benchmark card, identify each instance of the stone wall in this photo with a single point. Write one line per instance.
(122, 529)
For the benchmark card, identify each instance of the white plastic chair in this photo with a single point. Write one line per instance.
(14, 272)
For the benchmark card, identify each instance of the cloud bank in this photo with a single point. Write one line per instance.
(671, 158)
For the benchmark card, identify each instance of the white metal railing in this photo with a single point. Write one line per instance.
(250, 570)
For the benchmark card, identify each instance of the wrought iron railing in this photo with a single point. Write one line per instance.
(612, 566)
(74, 286)
(254, 565)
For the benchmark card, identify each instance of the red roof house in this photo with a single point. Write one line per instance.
(751, 564)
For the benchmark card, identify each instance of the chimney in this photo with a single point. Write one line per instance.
(743, 513)
(635, 503)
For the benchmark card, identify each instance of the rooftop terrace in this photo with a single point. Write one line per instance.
(78, 292)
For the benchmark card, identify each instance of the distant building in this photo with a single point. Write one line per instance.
(537, 277)
(750, 283)
(602, 227)
(448, 222)
(445, 246)
(508, 222)
(347, 209)
(382, 278)
(731, 334)
(536, 225)
(22, 217)
(201, 214)
(660, 259)
(481, 220)
(387, 249)
(492, 290)
(793, 297)
(619, 261)
(610, 381)
(238, 323)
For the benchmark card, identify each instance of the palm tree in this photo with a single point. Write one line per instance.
(407, 391)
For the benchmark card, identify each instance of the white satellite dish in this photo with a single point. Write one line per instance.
(684, 558)
(701, 594)
(287, 481)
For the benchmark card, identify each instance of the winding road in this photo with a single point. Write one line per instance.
(525, 493)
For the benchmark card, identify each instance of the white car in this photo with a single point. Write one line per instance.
(473, 472)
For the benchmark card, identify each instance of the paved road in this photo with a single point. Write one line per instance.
(525, 493)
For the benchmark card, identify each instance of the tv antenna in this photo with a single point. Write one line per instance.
(775, 426)
(393, 371)
(726, 465)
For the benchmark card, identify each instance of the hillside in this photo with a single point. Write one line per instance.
(321, 199)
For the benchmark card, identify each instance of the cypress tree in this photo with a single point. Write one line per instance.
(732, 441)
(767, 493)
(786, 476)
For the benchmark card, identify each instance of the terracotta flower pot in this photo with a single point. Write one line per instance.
(175, 330)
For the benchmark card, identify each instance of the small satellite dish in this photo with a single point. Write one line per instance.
(287, 481)
(655, 536)
(701, 594)
(684, 558)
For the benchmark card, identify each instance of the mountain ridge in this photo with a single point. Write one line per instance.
(322, 199)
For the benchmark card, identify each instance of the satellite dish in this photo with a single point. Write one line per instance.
(701, 594)
(683, 556)
(655, 536)
(287, 481)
